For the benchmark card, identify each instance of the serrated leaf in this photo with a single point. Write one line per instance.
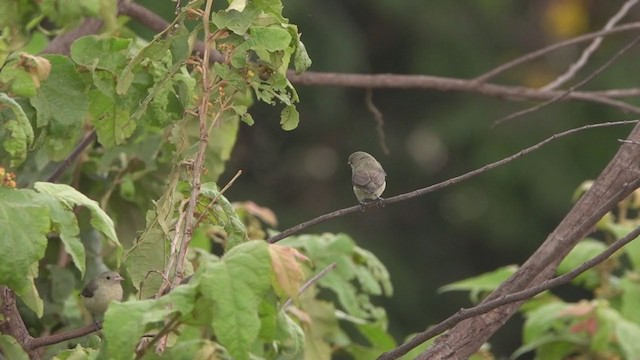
(110, 118)
(302, 61)
(125, 323)
(20, 132)
(235, 286)
(234, 19)
(107, 53)
(71, 197)
(61, 104)
(223, 214)
(289, 118)
(24, 223)
(288, 274)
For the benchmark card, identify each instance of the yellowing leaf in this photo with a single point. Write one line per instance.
(288, 274)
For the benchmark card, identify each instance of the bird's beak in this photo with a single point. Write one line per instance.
(118, 278)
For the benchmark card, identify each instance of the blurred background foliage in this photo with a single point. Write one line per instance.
(491, 221)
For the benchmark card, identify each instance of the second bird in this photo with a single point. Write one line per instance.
(368, 177)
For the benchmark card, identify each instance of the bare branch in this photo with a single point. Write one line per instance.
(440, 185)
(570, 90)
(203, 114)
(483, 308)
(586, 54)
(38, 342)
(576, 40)
(615, 182)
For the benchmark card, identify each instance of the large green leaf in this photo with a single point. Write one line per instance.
(61, 103)
(25, 222)
(235, 287)
(70, 197)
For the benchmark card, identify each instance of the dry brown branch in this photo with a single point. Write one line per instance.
(483, 308)
(203, 114)
(586, 54)
(573, 88)
(322, 218)
(613, 184)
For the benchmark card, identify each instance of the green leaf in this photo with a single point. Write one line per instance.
(302, 61)
(262, 39)
(222, 214)
(20, 132)
(235, 286)
(289, 118)
(482, 283)
(107, 53)
(628, 336)
(71, 197)
(234, 20)
(24, 222)
(110, 118)
(125, 323)
(584, 251)
(11, 349)
(61, 104)
(630, 286)
(347, 281)
(541, 319)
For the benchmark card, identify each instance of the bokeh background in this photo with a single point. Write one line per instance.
(492, 220)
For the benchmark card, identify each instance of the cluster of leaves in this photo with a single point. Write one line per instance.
(605, 326)
(140, 97)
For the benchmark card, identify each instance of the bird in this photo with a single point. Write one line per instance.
(100, 291)
(368, 178)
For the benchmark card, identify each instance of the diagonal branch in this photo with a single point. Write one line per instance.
(574, 87)
(614, 183)
(440, 185)
(595, 44)
(483, 308)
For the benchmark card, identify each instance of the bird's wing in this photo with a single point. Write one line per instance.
(89, 289)
(369, 181)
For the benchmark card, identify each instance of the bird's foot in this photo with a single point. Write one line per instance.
(363, 206)
(380, 201)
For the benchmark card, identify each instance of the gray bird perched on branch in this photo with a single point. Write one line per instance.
(100, 291)
(368, 178)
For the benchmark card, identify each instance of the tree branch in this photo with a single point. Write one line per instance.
(483, 308)
(574, 87)
(614, 184)
(440, 185)
(586, 54)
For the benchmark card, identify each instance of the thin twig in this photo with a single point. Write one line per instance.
(440, 185)
(215, 199)
(377, 116)
(483, 308)
(310, 282)
(576, 40)
(88, 140)
(571, 89)
(586, 54)
(168, 327)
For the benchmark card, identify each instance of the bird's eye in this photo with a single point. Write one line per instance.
(108, 277)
